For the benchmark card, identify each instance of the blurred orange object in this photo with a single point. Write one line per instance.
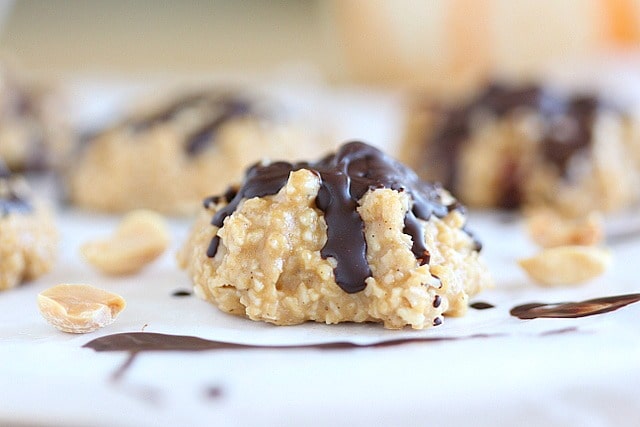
(621, 20)
(450, 46)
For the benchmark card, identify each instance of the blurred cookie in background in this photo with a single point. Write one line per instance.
(169, 156)
(28, 248)
(511, 145)
(34, 132)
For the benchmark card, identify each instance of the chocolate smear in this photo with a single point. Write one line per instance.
(574, 309)
(135, 343)
(139, 342)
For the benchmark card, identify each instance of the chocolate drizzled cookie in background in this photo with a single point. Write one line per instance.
(174, 154)
(353, 237)
(34, 134)
(29, 236)
(515, 145)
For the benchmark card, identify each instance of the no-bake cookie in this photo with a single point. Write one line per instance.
(353, 237)
(29, 237)
(170, 157)
(526, 145)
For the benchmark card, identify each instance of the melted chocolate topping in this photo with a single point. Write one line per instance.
(10, 200)
(574, 309)
(344, 178)
(569, 129)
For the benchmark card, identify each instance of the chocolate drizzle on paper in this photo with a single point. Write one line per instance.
(135, 343)
(573, 309)
(181, 293)
(138, 342)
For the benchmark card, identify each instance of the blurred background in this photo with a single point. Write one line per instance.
(193, 36)
(441, 45)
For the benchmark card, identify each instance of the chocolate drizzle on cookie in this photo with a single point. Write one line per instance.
(570, 131)
(11, 201)
(344, 178)
(567, 129)
(217, 108)
(168, 112)
(229, 108)
(574, 309)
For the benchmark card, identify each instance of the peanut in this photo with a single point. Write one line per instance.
(140, 238)
(548, 229)
(566, 265)
(79, 309)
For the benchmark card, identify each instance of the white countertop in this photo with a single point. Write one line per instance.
(531, 374)
(552, 372)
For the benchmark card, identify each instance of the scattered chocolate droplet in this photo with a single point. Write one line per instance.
(481, 305)
(181, 293)
(559, 331)
(214, 392)
(437, 321)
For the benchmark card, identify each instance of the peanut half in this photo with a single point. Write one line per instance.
(140, 238)
(566, 265)
(548, 229)
(79, 309)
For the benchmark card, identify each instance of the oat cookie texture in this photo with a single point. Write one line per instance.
(353, 237)
(29, 236)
